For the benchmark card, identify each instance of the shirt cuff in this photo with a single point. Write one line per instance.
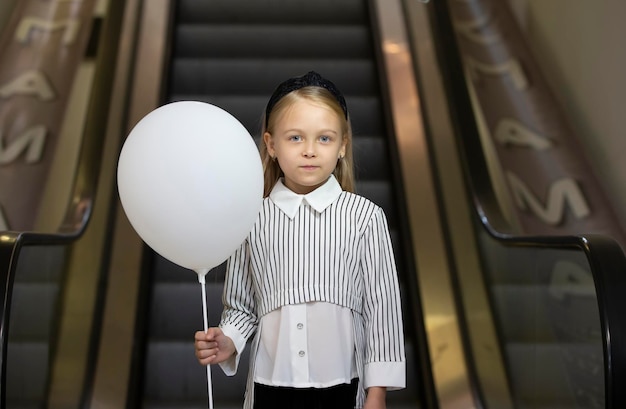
(391, 375)
(230, 365)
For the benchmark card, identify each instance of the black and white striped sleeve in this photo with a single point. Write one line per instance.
(239, 320)
(384, 336)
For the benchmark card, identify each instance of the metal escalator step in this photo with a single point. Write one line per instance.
(370, 157)
(166, 271)
(554, 375)
(26, 374)
(364, 112)
(31, 329)
(272, 41)
(272, 11)
(250, 76)
(41, 266)
(176, 375)
(247, 110)
(176, 310)
(366, 116)
(537, 313)
(379, 192)
(33, 321)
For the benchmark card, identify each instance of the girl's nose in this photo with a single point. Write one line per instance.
(309, 150)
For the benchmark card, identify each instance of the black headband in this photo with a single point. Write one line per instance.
(311, 79)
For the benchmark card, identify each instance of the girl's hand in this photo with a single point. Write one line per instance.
(213, 346)
(375, 398)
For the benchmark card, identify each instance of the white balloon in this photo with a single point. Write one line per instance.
(190, 181)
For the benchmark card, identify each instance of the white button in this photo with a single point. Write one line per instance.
(301, 353)
(300, 325)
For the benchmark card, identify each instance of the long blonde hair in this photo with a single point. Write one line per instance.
(344, 171)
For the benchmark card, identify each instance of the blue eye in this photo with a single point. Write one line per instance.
(325, 138)
(295, 138)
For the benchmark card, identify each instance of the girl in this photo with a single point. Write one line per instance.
(315, 279)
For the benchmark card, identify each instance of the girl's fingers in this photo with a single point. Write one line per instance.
(206, 336)
(205, 344)
(206, 353)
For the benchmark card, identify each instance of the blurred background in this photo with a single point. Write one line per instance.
(490, 131)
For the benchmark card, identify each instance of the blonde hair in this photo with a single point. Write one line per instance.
(344, 171)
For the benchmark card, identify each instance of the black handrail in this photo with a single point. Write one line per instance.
(10, 245)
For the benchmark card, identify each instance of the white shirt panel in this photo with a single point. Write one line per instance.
(306, 345)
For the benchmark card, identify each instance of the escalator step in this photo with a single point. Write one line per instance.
(272, 11)
(176, 376)
(547, 376)
(272, 41)
(176, 310)
(247, 76)
(26, 374)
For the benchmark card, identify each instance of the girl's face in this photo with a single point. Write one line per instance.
(307, 141)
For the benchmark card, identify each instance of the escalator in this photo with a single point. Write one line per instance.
(222, 56)
(549, 323)
(543, 301)
(554, 303)
(233, 56)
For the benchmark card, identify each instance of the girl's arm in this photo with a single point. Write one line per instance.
(384, 333)
(239, 320)
(376, 398)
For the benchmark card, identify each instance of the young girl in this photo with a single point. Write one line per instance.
(315, 280)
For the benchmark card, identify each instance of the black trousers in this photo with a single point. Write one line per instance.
(336, 397)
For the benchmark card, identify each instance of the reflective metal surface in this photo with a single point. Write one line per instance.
(482, 338)
(87, 257)
(445, 344)
(145, 27)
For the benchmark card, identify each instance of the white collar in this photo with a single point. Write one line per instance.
(319, 199)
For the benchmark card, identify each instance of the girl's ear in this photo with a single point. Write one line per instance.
(269, 143)
(344, 143)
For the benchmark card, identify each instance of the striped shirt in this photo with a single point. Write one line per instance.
(328, 246)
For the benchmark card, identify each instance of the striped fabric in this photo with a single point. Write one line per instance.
(333, 247)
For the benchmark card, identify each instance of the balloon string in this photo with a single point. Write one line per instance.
(206, 329)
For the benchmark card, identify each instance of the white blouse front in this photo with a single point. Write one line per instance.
(293, 350)
(309, 345)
